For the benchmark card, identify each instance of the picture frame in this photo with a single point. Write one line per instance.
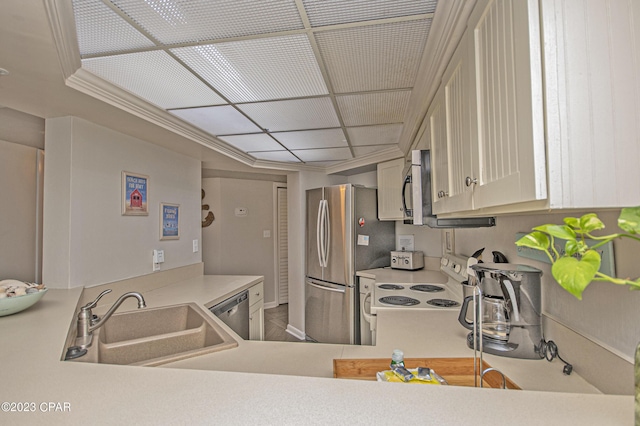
(135, 194)
(169, 221)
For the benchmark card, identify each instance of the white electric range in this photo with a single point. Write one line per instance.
(427, 295)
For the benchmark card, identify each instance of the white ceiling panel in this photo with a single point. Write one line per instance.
(375, 57)
(101, 30)
(374, 135)
(331, 12)
(285, 156)
(258, 70)
(256, 142)
(373, 108)
(296, 114)
(154, 76)
(217, 120)
(179, 21)
(325, 138)
(328, 154)
(364, 150)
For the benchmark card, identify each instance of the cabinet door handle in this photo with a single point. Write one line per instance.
(469, 181)
(442, 194)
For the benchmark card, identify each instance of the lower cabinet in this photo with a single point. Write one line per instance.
(256, 312)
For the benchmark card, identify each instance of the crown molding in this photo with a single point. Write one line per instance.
(63, 28)
(373, 158)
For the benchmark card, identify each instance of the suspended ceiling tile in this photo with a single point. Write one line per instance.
(154, 76)
(101, 30)
(375, 57)
(217, 120)
(255, 142)
(322, 163)
(328, 154)
(373, 108)
(176, 21)
(330, 12)
(275, 156)
(364, 150)
(325, 138)
(258, 70)
(375, 135)
(296, 114)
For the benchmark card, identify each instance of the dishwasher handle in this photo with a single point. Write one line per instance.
(230, 305)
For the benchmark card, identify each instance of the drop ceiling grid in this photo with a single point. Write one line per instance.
(294, 114)
(376, 57)
(373, 108)
(255, 142)
(308, 139)
(327, 154)
(283, 155)
(332, 12)
(375, 135)
(259, 69)
(217, 120)
(100, 29)
(154, 76)
(172, 22)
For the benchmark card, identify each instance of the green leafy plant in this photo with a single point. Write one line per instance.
(579, 264)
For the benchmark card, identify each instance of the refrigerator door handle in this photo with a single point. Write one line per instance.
(327, 233)
(319, 243)
(322, 287)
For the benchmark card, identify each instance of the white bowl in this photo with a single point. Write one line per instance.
(12, 305)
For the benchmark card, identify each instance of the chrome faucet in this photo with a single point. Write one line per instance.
(87, 324)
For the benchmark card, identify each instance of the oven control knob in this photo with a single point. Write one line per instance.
(457, 268)
(393, 260)
(406, 261)
(444, 261)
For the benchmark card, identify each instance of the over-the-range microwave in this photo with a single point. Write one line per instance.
(417, 197)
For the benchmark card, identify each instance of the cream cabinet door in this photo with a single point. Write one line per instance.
(436, 131)
(256, 312)
(461, 133)
(390, 190)
(510, 121)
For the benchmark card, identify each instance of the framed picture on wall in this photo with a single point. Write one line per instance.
(169, 221)
(135, 194)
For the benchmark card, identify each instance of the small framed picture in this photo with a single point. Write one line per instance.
(169, 221)
(135, 194)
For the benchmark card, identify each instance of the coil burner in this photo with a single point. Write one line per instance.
(398, 301)
(390, 287)
(443, 303)
(427, 288)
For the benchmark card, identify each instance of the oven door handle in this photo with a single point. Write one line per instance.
(366, 316)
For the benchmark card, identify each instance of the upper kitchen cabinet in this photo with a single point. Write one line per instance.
(487, 116)
(390, 180)
(554, 104)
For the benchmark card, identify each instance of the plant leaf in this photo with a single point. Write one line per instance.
(559, 231)
(535, 240)
(571, 247)
(590, 222)
(573, 222)
(575, 275)
(629, 220)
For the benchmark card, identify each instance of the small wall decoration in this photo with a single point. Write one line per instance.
(169, 221)
(210, 218)
(135, 191)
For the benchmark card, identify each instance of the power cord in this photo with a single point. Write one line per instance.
(549, 351)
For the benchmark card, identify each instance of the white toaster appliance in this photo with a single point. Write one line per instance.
(409, 260)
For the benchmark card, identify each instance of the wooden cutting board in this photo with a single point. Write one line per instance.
(456, 371)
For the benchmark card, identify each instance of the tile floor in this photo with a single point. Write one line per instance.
(275, 325)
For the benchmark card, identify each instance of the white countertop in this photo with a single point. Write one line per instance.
(33, 342)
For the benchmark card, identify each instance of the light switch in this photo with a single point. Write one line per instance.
(158, 256)
(195, 246)
(266, 233)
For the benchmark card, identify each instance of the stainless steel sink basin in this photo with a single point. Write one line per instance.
(156, 336)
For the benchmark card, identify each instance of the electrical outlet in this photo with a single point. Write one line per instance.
(266, 234)
(195, 246)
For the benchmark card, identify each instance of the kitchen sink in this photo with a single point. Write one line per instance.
(156, 336)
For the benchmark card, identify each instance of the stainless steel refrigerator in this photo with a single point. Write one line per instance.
(344, 235)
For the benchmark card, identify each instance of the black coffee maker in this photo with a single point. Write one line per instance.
(509, 309)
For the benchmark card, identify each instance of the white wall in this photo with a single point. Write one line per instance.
(235, 245)
(607, 314)
(87, 241)
(18, 210)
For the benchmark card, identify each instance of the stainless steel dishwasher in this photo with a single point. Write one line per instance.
(235, 313)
